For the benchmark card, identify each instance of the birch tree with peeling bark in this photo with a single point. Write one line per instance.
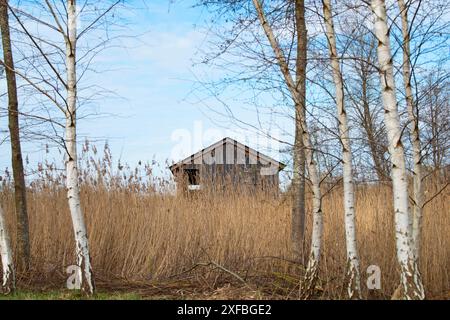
(312, 268)
(262, 75)
(22, 228)
(353, 273)
(416, 219)
(411, 281)
(8, 279)
(73, 188)
(259, 70)
(58, 63)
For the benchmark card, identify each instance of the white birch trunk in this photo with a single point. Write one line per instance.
(353, 273)
(414, 134)
(73, 189)
(317, 230)
(8, 281)
(312, 268)
(410, 278)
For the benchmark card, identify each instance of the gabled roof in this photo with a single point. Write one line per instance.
(197, 158)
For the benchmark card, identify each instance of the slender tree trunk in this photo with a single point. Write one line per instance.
(73, 188)
(410, 276)
(298, 194)
(312, 268)
(23, 238)
(8, 282)
(414, 134)
(298, 181)
(369, 127)
(353, 273)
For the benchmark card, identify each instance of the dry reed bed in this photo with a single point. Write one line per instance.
(154, 237)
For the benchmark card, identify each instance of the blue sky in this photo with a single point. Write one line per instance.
(157, 111)
(154, 113)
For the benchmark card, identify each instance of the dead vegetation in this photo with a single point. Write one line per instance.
(217, 245)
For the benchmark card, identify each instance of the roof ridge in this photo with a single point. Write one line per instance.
(224, 140)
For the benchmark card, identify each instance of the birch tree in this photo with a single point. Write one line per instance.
(8, 280)
(353, 273)
(56, 63)
(312, 268)
(22, 228)
(254, 67)
(67, 79)
(410, 277)
(73, 188)
(416, 218)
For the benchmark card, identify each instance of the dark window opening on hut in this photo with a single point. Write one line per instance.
(193, 176)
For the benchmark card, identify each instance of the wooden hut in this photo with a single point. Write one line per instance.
(227, 163)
